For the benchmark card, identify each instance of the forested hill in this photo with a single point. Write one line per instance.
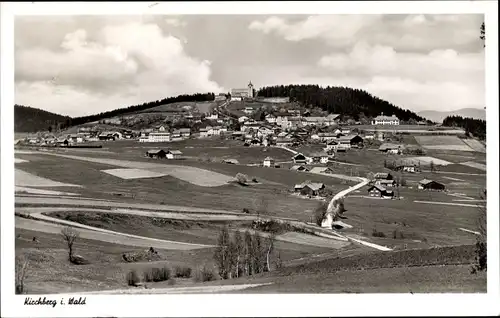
(339, 100)
(122, 111)
(29, 119)
(476, 127)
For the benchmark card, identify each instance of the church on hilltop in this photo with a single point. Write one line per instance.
(238, 94)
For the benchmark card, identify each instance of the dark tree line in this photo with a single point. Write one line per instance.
(339, 100)
(122, 111)
(29, 119)
(476, 127)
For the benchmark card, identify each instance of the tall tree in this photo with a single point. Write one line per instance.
(238, 251)
(223, 253)
(483, 34)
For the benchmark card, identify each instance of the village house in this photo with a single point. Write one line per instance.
(327, 136)
(231, 161)
(385, 120)
(300, 168)
(385, 183)
(310, 189)
(268, 162)
(163, 136)
(380, 192)
(156, 153)
(109, 135)
(383, 176)
(255, 125)
(331, 145)
(284, 142)
(174, 154)
(270, 118)
(320, 157)
(283, 120)
(204, 132)
(185, 132)
(243, 119)
(61, 141)
(350, 141)
(369, 136)
(74, 138)
(294, 122)
(299, 158)
(345, 131)
(426, 184)
(406, 166)
(390, 148)
(248, 110)
(161, 128)
(264, 131)
(341, 148)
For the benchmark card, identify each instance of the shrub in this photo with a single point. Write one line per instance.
(254, 180)
(319, 213)
(156, 274)
(241, 178)
(204, 274)
(171, 281)
(397, 234)
(245, 210)
(376, 233)
(183, 272)
(132, 278)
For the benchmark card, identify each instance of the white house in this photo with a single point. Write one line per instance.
(268, 162)
(270, 118)
(159, 136)
(385, 120)
(204, 132)
(242, 119)
(248, 110)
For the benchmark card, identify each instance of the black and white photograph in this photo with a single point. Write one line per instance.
(163, 153)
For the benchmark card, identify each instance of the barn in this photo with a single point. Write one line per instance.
(309, 189)
(299, 158)
(268, 162)
(430, 185)
(156, 153)
(174, 154)
(383, 176)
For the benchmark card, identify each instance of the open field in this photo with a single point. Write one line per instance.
(17, 160)
(24, 179)
(48, 259)
(161, 190)
(475, 165)
(426, 160)
(425, 279)
(202, 107)
(442, 142)
(133, 173)
(475, 145)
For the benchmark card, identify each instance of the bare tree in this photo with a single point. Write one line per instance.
(270, 246)
(239, 251)
(70, 235)
(431, 166)
(21, 273)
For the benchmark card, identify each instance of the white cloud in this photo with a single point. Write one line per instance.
(124, 64)
(443, 79)
(334, 28)
(408, 32)
(175, 22)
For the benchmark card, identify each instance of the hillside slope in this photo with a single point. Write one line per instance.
(29, 119)
(438, 117)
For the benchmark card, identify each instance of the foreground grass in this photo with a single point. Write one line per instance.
(50, 271)
(426, 279)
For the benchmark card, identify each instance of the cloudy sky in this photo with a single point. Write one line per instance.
(80, 65)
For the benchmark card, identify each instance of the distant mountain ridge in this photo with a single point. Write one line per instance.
(30, 120)
(437, 116)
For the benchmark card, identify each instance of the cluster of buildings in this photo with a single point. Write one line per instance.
(164, 154)
(161, 134)
(83, 135)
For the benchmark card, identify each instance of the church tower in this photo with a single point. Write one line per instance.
(250, 90)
